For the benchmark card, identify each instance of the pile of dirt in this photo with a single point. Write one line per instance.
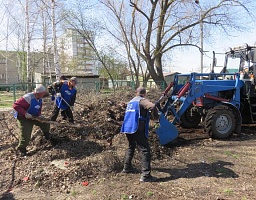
(75, 155)
(82, 163)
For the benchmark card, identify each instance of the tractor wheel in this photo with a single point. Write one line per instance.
(190, 119)
(220, 122)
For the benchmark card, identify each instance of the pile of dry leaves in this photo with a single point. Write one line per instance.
(73, 155)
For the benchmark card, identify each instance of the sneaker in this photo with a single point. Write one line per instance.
(148, 179)
(21, 152)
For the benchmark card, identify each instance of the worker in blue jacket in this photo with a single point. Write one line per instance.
(25, 108)
(135, 126)
(65, 98)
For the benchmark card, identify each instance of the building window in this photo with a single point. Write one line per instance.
(2, 60)
(2, 76)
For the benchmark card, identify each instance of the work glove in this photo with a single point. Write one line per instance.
(28, 116)
(157, 104)
(50, 90)
(41, 117)
(58, 94)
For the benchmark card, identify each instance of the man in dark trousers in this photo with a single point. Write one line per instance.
(26, 108)
(52, 92)
(65, 98)
(135, 126)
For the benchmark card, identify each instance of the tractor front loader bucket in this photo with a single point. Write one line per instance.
(167, 132)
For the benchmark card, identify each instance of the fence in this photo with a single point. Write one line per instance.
(9, 93)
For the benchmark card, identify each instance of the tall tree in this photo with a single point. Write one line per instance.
(121, 32)
(162, 25)
(90, 29)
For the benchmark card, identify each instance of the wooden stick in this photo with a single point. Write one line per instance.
(58, 123)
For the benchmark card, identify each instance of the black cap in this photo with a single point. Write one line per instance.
(63, 77)
(141, 90)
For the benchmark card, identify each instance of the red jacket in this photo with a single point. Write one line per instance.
(22, 105)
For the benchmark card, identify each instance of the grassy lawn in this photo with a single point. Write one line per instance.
(6, 99)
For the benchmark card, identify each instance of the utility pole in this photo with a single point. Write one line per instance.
(201, 37)
(202, 41)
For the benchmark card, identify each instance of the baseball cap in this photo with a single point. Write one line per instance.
(74, 79)
(40, 89)
(63, 77)
(141, 90)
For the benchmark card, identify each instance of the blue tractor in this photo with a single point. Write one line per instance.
(220, 101)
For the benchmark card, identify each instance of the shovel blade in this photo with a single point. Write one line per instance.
(167, 132)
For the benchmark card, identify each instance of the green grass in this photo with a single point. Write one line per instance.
(228, 191)
(228, 153)
(124, 196)
(74, 193)
(6, 101)
(149, 194)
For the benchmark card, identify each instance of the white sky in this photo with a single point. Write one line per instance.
(190, 60)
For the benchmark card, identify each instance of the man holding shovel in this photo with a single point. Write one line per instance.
(65, 98)
(26, 108)
(135, 126)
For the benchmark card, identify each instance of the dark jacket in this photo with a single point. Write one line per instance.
(56, 88)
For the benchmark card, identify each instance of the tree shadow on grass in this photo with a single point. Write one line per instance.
(217, 169)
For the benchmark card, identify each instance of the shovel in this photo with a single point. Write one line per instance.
(167, 132)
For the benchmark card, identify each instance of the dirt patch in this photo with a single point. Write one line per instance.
(81, 163)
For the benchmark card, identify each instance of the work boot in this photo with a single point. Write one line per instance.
(148, 178)
(54, 141)
(47, 136)
(128, 170)
(71, 121)
(21, 152)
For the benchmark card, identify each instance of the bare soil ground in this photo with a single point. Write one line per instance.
(82, 164)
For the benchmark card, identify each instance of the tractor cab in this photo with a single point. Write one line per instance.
(242, 60)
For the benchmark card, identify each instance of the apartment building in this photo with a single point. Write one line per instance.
(75, 56)
(10, 67)
(75, 53)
